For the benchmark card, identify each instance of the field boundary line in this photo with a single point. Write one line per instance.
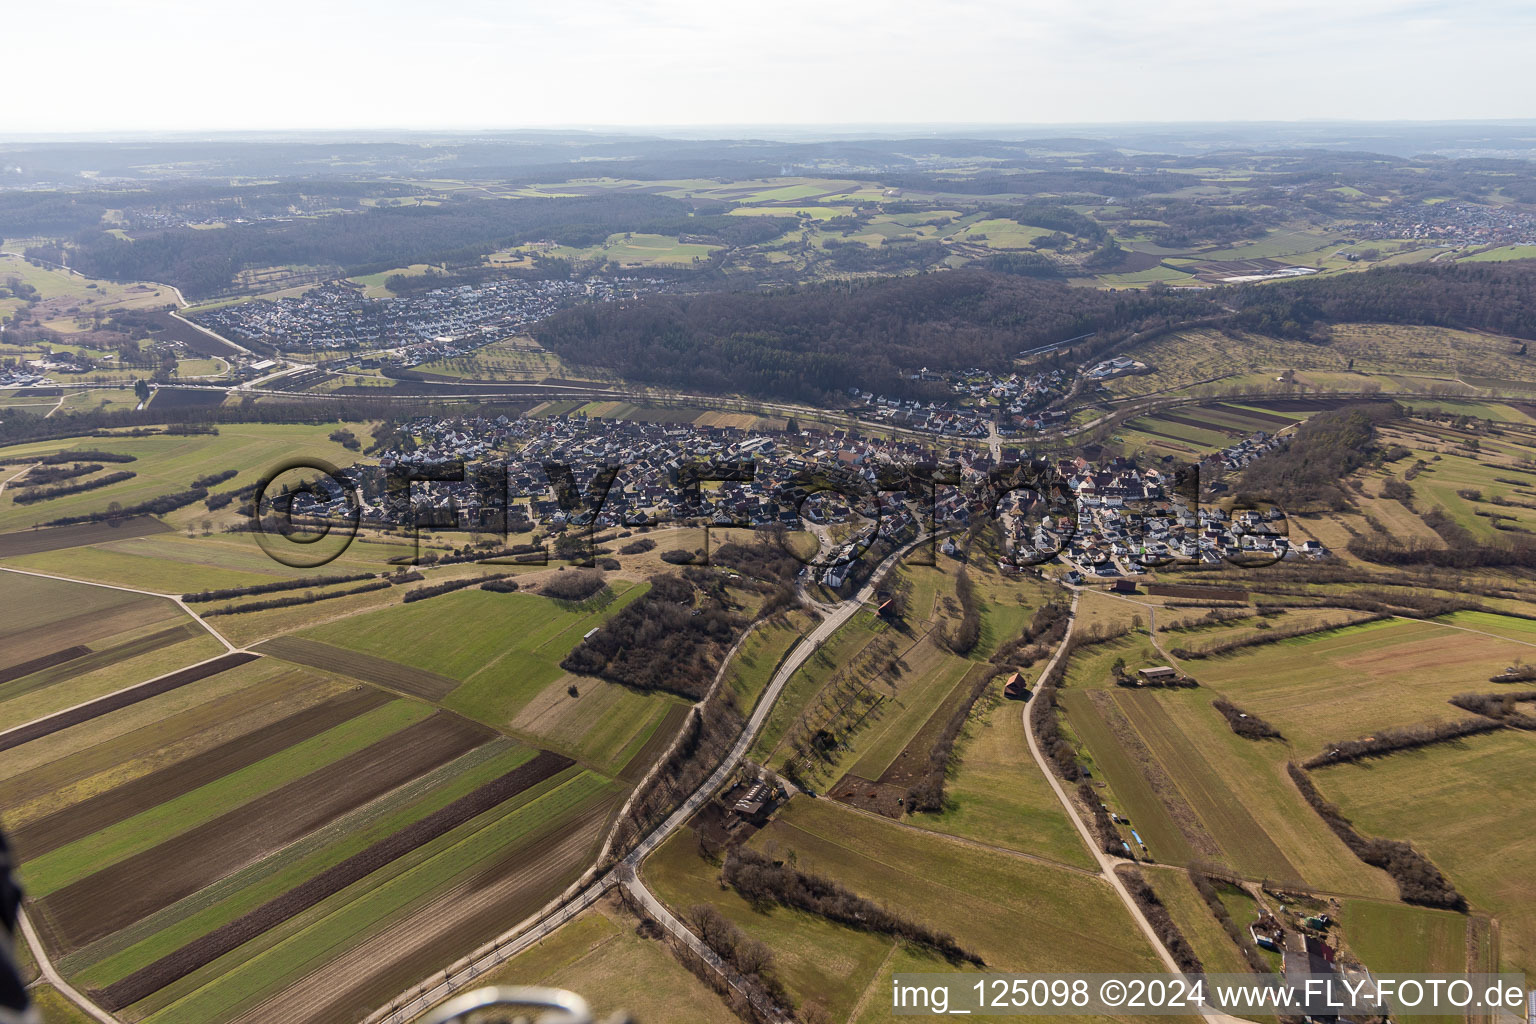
(586, 890)
(175, 599)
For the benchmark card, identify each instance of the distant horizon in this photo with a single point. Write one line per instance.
(766, 130)
(176, 65)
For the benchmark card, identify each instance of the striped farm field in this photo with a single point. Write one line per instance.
(295, 901)
(458, 890)
(225, 821)
(379, 671)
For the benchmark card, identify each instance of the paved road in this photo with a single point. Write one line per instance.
(418, 998)
(809, 646)
(1105, 861)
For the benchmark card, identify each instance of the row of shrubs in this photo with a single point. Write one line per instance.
(1043, 719)
(85, 455)
(1161, 921)
(153, 507)
(308, 597)
(966, 635)
(500, 586)
(1501, 707)
(1418, 880)
(269, 588)
(1206, 887)
(927, 793)
(32, 495)
(706, 736)
(763, 881)
(1103, 824)
(1386, 741)
(751, 959)
(1272, 636)
(212, 479)
(1046, 626)
(448, 587)
(38, 477)
(1248, 726)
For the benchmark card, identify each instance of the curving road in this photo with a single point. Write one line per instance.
(1105, 861)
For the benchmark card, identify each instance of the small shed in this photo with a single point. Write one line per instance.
(1157, 674)
(1015, 689)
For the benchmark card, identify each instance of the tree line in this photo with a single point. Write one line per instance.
(762, 880)
(815, 341)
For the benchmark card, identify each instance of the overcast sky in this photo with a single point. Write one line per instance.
(110, 65)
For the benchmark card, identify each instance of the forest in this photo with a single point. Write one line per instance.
(205, 262)
(1497, 297)
(811, 342)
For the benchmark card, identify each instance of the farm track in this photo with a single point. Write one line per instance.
(122, 893)
(415, 682)
(119, 700)
(217, 943)
(81, 819)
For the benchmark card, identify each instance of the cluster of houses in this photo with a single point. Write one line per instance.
(1011, 400)
(1124, 512)
(337, 316)
(23, 377)
(1454, 222)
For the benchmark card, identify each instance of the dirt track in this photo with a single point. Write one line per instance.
(122, 893)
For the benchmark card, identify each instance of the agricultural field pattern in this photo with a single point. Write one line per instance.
(720, 584)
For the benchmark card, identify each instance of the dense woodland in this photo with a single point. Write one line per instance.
(203, 263)
(807, 343)
(1326, 449)
(1498, 297)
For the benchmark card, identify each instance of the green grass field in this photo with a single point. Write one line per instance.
(599, 954)
(996, 794)
(149, 828)
(168, 463)
(1465, 805)
(1353, 681)
(506, 648)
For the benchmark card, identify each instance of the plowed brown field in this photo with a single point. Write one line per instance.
(122, 893)
(414, 681)
(80, 820)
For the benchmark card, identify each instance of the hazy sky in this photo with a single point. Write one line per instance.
(94, 65)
